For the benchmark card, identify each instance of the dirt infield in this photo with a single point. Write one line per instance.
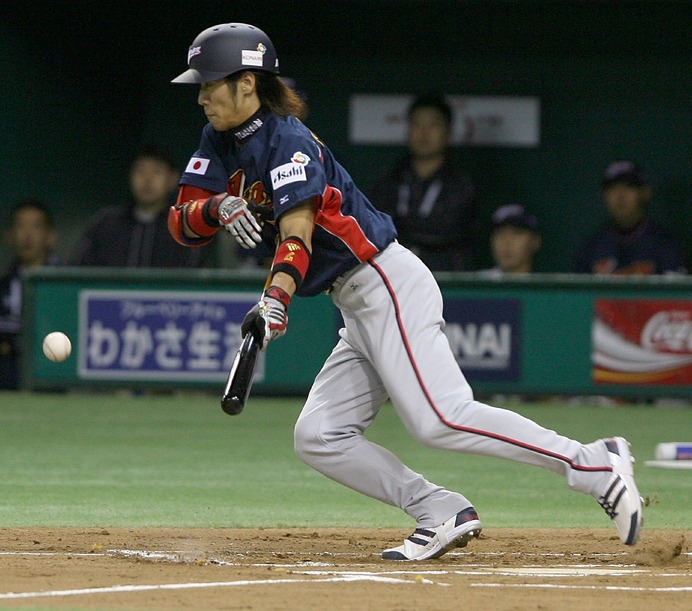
(319, 569)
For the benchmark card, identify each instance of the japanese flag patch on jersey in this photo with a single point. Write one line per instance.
(197, 165)
(293, 171)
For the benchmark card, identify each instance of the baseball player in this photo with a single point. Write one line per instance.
(263, 175)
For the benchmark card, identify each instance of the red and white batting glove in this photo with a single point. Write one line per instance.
(268, 317)
(235, 216)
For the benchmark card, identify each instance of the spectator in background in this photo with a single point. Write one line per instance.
(31, 237)
(630, 242)
(430, 200)
(135, 234)
(514, 241)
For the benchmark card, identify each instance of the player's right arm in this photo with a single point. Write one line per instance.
(198, 214)
(187, 222)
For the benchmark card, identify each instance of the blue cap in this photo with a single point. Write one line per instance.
(624, 171)
(514, 215)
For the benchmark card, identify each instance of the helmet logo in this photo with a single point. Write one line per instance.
(192, 52)
(251, 58)
(261, 48)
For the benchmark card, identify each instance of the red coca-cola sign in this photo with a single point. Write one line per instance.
(669, 331)
(642, 341)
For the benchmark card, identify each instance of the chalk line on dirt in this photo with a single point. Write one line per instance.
(558, 586)
(211, 584)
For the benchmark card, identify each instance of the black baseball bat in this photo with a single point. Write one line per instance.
(240, 377)
(242, 371)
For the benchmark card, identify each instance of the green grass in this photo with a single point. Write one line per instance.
(110, 460)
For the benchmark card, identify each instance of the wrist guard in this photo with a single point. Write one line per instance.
(199, 215)
(293, 258)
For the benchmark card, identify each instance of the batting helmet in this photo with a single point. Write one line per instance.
(225, 49)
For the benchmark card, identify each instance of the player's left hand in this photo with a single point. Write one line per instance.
(268, 317)
(235, 216)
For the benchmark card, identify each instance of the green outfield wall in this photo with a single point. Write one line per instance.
(537, 335)
(612, 79)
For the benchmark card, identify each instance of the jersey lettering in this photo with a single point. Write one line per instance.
(287, 173)
(234, 182)
(316, 138)
(254, 193)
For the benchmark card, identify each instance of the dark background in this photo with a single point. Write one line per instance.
(84, 84)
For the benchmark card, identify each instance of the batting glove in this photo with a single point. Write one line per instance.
(268, 317)
(235, 216)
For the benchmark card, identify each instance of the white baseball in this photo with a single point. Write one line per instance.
(57, 346)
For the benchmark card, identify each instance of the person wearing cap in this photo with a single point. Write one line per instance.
(514, 241)
(425, 191)
(262, 175)
(630, 242)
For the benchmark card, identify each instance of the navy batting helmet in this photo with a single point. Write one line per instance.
(225, 49)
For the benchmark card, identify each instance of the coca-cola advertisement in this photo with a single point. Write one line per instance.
(642, 341)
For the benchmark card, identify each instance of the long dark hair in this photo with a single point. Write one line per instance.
(274, 94)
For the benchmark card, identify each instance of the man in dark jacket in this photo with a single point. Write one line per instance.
(136, 234)
(431, 202)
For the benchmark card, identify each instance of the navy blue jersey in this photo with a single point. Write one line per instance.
(648, 249)
(278, 164)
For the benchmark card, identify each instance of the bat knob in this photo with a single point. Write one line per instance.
(232, 405)
(239, 381)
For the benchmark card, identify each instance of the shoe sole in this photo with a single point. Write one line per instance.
(458, 537)
(635, 528)
(626, 472)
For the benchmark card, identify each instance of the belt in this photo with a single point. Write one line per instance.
(345, 276)
(340, 280)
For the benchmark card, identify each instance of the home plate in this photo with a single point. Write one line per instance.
(669, 464)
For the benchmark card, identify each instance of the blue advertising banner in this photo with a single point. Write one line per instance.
(485, 336)
(175, 335)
